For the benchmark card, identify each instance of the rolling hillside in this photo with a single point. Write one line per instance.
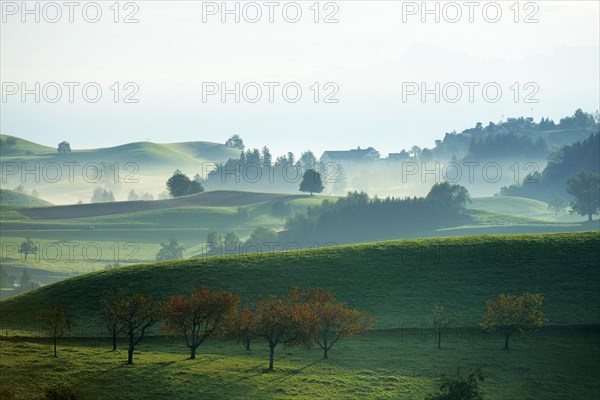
(220, 198)
(12, 198)
(145, 224)
(70, 178)
(397, 281)
(145, 152)
(517, 206)
(12, 146)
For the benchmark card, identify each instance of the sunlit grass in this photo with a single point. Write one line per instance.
(380, 365)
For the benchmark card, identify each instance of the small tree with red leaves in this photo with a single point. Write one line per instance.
(283, 319)
(203, 314)
(333, 320)
(242, 327)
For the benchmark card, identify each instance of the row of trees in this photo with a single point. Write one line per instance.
(506, 146)
(358, 218)
(299, 318)
(21, 189)
(506, 315)
(260, 237)
(479, 140)
(259, 166)
(134, 196)
(217, 244)
(102, 195)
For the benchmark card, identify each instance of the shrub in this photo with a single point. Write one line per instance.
(61, 392)
(459, 387)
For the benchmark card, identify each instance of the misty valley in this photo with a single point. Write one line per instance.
(300, 200)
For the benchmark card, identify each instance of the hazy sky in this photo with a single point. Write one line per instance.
(371, 55)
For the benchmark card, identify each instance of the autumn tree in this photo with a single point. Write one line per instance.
(203, 314)
(242, 327)
(282, 319)
(56, 322)
(111, 303)
(333, 320)
(137, 313)
(510, 314)
(440, 319)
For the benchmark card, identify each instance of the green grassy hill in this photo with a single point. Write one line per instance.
(131, 232)
(145, 152)
(12, 198)
(397, 281)
(521, 207)
(139, 166)
(217, 198)
(145, 224)
(14, 146)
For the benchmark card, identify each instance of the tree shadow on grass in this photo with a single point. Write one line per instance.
(287, 375)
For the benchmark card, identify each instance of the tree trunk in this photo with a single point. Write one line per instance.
(247, 345)
(114, 342)
(325, 350)
(506, 341)
(590, 217)
(130, 355)
(54, 339)
(271, 354)
(193, 354)
(439, 339)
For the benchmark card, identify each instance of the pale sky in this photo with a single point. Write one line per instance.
(370, 54)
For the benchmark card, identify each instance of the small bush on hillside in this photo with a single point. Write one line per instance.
(459, 387)
(61, 392)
